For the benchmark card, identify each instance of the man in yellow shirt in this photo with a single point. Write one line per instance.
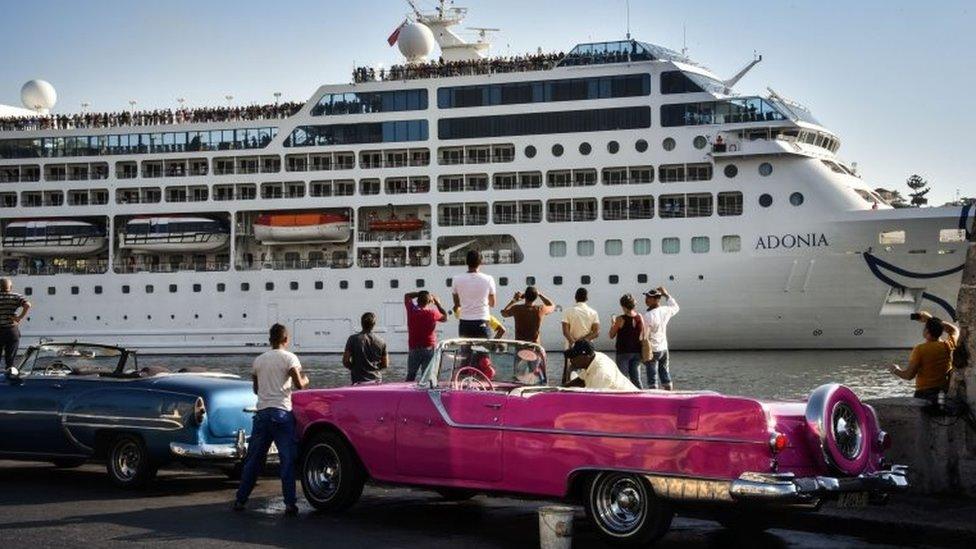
(498, 330)
(931, 361)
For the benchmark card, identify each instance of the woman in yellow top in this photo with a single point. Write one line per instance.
(931, 361)
(498, 330)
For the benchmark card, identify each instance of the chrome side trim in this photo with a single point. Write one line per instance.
(204, 451)
(119, 426)
(435, 398)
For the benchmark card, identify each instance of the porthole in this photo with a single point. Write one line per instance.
(172, 288)
(125, 289)
(221, 287)
(530, 281)
(150, 289)
(613, 147)
(448, 282)
(557, 150)
(343, 284)
(319, 285)
(51, 290)
(369, 284)
(641, 145)
(503, 281)
(585, 279)
(796, 199)
(269, 286)
(28, 291)
(245, 286)
(731, 171)
(394, 284)
(244, 315)
(668, 144)
(614, 279)
(530, 152)
(699, 142)
(98, 290)
(585, 148)
(197, 288)
(419, 283)
(74, 290)
(765, 169)
(642, 278)
(293, 286)
(765, 200)
(557, 281)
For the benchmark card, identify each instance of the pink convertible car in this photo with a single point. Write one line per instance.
(483, 419)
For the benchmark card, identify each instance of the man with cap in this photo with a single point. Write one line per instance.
(595, 370)
(656, 319)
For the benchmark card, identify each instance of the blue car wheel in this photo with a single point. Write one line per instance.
(129, 464)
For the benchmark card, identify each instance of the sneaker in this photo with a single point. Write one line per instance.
(291, 510)
(238, 506)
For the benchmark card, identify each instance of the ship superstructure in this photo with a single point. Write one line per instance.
(617, 166)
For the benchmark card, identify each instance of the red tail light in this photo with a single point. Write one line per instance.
(778, 442)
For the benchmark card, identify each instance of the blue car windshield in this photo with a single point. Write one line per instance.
(71, 360)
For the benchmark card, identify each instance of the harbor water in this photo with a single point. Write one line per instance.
(762, 374)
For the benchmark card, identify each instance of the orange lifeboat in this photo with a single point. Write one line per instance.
(396, 225)
(290, 228)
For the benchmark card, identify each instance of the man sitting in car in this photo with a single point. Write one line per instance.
(595, 370)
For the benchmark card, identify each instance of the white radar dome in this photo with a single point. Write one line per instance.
(39, 95)
(416, 41)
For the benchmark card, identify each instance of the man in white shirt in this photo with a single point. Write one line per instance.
(580, 321)
(656, 319)
(474, 294)
(596, 370)
(274, 375)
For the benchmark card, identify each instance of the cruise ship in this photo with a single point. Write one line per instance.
(618, 166)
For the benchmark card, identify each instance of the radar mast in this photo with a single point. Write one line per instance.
(453, 47)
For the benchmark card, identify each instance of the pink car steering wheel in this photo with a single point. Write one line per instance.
(470, 378)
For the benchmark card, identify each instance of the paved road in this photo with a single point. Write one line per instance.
(41, 506)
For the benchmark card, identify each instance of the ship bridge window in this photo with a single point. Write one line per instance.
(585, 248)
(624, 118)
(351, 134)
(613, 247)
(700, 245)
(332, 104)
(732, 111)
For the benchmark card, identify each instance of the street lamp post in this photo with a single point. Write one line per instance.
(277, 96)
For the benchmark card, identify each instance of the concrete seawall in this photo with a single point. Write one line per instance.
(940, 451)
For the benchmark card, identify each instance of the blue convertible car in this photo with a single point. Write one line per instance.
(68, 403)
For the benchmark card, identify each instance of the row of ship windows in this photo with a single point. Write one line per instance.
(513, 93)
(325, 161)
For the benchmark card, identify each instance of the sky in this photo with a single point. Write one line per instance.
(893, 79)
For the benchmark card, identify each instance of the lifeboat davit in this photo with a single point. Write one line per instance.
(54, 238)
(294, 228)
(396, 225)
(174, 234)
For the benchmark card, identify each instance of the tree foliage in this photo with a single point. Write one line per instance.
(920, 187)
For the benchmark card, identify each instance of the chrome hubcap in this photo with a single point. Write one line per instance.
(322, 472)
(847, 431)
(126, 460)
(620, 503)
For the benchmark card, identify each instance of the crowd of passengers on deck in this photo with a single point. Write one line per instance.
(468, 67)
(156, 117)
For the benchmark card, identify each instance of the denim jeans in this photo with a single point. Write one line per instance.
(417, 360)
(629, 364)
(270, 424)
(658, 370)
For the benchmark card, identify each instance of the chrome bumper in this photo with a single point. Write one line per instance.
(234, 451)
(786, 488)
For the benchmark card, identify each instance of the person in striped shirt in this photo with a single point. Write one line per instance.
(10, 319)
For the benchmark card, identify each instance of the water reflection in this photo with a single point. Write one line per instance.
(763, 374)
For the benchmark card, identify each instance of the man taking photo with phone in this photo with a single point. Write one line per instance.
(931, 361)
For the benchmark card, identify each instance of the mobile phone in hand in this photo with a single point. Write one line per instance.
(915, 316)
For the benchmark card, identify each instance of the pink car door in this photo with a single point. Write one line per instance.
(450, 434)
